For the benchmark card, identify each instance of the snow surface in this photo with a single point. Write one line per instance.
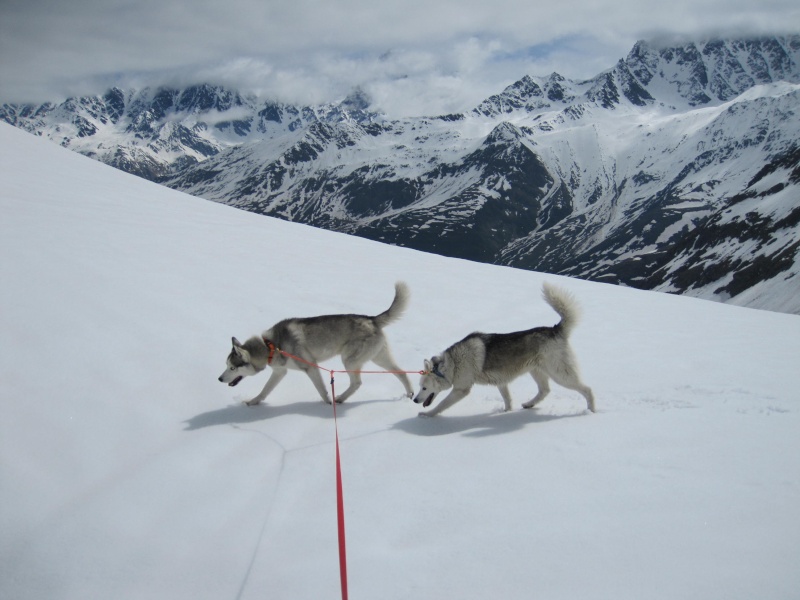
(128, 471)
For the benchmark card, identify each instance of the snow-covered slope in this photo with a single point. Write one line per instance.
(652, 174)
(128, 471)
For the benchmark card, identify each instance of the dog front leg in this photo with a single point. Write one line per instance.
(451, 399)
(316, 379)
(274, 380)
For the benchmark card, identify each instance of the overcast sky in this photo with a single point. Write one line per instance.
(413, 57)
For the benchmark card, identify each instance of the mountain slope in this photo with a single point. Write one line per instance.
(129, 471)
(612, 179)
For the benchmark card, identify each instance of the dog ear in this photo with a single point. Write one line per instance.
(238, 349)
(428, 365)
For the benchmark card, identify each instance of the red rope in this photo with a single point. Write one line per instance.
(339, 494)
(339, 503)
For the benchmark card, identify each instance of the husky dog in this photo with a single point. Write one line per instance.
(356, 338)
(499, 358)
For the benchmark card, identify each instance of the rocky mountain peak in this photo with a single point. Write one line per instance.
(715, 70)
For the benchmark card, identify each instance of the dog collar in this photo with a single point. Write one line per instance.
(271, 347)
(435, 370)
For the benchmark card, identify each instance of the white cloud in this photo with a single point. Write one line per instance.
(411, 56)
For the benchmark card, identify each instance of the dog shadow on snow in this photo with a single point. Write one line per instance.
(240, 414)
(477, 426)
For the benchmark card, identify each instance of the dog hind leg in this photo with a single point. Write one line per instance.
(356, 354)
(568, 377)
(353, 359)
(355, 381)
(385, 361)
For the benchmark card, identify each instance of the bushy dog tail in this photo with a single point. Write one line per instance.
(399, 304)
(564, 304)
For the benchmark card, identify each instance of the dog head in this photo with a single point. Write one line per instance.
(239, 365)
(432, 381)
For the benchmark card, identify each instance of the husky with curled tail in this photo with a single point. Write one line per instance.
(499, 358)
(356, 338)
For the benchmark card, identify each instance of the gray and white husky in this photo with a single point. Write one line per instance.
(356, 338)
(499, 358)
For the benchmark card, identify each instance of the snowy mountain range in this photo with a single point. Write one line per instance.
(676, 170)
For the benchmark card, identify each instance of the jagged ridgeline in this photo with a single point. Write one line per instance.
(676, 170)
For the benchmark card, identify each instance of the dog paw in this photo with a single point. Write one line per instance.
(253, 402)
(425, 414)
